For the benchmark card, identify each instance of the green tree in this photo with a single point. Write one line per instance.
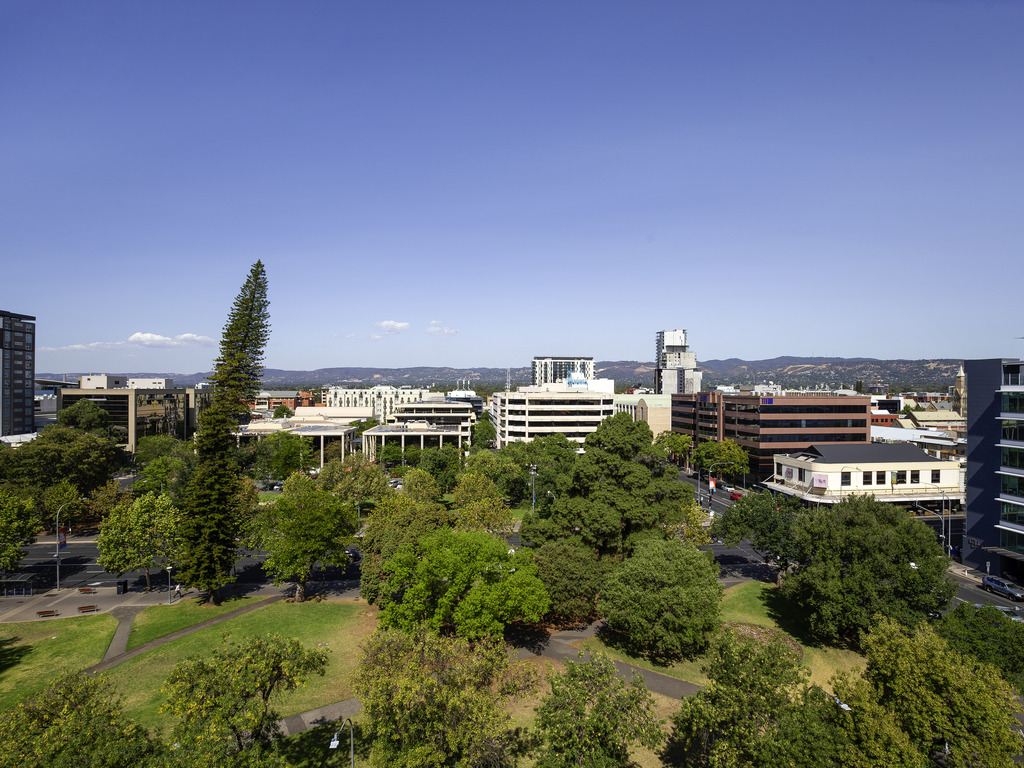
(18, 527)
(665, 599)
(591, 717)
(946, 703)
(390, 454)
(397, 520)
(722, 457)
(62, 498)
(281, 453)
(75, 721)
(86, 416)
(478, 505)
(213, 514)
(863, 557)
(431, 701)
(223, 698)
(362, 425)
(676, 445)
(355, 479)
(511, 479)
(988, 636)
(483, 432)
(749, 684)
(140, 535)
(766, 520)
(572, 576)
(622, 490)
(282, 411)
(421, 487)
(306, 525)
(84, 460)
(443, 464)
(466, 581)
(103, 500)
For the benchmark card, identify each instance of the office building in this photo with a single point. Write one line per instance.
(994, 538)
(765, 426)
(675, 365)
(434, 422)
(17, 374)
(531, 412)
(383, 399)
(550, 370)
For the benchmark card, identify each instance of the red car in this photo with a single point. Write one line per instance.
(735, 495)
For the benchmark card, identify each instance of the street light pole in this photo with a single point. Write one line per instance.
(335, 740)
(56, 552)
(169, 567)
(533, 488)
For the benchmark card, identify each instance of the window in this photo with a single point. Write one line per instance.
(800, 474)
(844, 479)
(900, 478)
(867, 478)
(915, 476)
(880, 478)
(935, 476)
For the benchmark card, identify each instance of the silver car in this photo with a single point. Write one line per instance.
(999, 586)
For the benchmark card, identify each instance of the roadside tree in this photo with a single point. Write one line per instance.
(431, 701)
(664, 600)
(987, 636)
(469, 582)
(676, 445)
(213, 515)
(766, 520)
(591, 717)
(512, 480)
(860, 558)
(443, 464)
(483, 432)
(478, 505)
(572, 576)
(139, 536)
(280, 454)
(722, 457)
(306, 525)
(355, 479)
(18, 528)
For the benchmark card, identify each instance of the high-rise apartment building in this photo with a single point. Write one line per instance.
(994, 537)
(550, 370)
(17, 374)
(675, 365)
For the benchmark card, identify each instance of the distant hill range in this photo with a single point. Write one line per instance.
(829, 372)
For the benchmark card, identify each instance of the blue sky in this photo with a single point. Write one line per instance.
(476, 183)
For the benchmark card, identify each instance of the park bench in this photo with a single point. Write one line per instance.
(46, 614)
(88, 608)
(87, 590)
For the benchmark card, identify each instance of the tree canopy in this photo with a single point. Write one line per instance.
(721, 457)
(140, 535)
(766, 520)
(863, 557)
(620, 491)
(591, 717)
(431, 700)
(469, 582)
(18, 527)
(304, 526)
(665, 599)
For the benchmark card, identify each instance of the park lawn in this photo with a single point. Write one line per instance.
(159, 620)
(746, 604)
(339, 626)
(32, 653)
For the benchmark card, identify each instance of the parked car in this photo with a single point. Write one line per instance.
(1000, 586)
(1010, 613)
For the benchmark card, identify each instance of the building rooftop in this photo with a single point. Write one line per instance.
(864, 453)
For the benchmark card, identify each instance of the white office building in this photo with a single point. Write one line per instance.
(568, 407)
(550, 370)
(383, 399)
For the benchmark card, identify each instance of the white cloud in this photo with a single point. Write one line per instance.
(439, 330)
(391, 326)
(138, 340)
(375, 336)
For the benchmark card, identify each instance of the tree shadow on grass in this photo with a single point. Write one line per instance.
(790, 618)
(311, 749)
(620, 642)
(11, 654)
(532, 637)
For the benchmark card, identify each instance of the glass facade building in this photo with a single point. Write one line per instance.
(17, 373)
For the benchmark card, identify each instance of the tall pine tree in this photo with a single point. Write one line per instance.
(214, 511)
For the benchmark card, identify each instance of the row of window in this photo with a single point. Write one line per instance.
(812, 423)
(1013, 458)
(1012, 485)
(1013, 402)
(1012, 513)
(804, 437)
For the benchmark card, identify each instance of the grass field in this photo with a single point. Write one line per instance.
(32, 653)
(750, 603)
(159, 620)
(336, 625)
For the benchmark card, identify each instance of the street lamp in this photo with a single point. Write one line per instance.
(948, 540)
(56, 524)
(533, 487)
(710, 467)
(169, 567)
(335, 740)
